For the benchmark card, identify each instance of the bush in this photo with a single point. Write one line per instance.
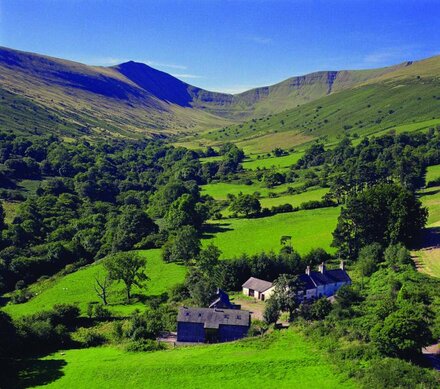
(395, 373)
(89, 337)
(21, 296)
(271, 312)
(144, 345)
(101, 312)
(258, 327)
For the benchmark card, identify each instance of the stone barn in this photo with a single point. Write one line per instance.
(208, 325)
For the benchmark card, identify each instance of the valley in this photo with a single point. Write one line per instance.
(201, 190)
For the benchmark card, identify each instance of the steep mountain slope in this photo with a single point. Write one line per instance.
(407, 98)
(88, 99)
(41, 94)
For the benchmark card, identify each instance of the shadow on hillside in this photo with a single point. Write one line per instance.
(430, 192)
(211, 229)
(32, 372)
(430, 238)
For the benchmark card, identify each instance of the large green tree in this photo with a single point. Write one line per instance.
(127, 267)
(183, 246)
(385, 214)
(247, 205)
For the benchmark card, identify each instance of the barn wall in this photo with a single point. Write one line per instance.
(190, 332)
(228, 332)
(268, 293)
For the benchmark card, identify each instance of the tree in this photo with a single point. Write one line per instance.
(132, 225)
(2, 218)
(208, 259)
(403, 333)
(102, 285)
(369, 257)
(273, 178)
(185, 211)
(320, 309)
(384, 213)
(286, 293)
(127, 267)
(397, 255)
(245, 204)
(183, 246)
(271, 312)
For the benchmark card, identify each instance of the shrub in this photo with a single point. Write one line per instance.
(395, 373)
(89, 337)
(258, 327)
(21, 296)
(101, 312)
(271, 312)
(144, 345)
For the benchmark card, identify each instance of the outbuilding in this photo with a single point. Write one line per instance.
(211, 325)
(259, 289)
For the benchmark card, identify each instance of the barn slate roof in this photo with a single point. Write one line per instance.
(257, 284)
(213, 318)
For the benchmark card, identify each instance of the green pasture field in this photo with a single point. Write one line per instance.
(220, 190)
(296, 199)
(309, 229)
(430, 198)
(276, 162)
(432, 173)
(281, 359)
(78, 287)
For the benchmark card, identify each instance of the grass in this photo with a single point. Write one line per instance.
(295, 200)
(404, 104)
(430, 198)
(220, 190)
(78, 287)
(428, 258)
(276, 162)
(432, 173)
(282, 359)
(309, 229)
(428, 261)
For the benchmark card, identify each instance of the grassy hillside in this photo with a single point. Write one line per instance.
(78, 287)
(406, 99)
(91, 101)
(281, 359)
(135, 100)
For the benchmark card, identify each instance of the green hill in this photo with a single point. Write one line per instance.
(44, 94)
(405, 99)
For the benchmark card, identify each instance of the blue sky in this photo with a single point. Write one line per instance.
(226, 45)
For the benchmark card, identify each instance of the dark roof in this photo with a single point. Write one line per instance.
(212, 318)
(316, 279)
(338, 275)
(257, 284)
(222, 300)
(306, 282)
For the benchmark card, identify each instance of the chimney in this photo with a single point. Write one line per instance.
(308, 270)
(322, 268)
(342, 265)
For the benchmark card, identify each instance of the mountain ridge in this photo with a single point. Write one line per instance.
(134, 99)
